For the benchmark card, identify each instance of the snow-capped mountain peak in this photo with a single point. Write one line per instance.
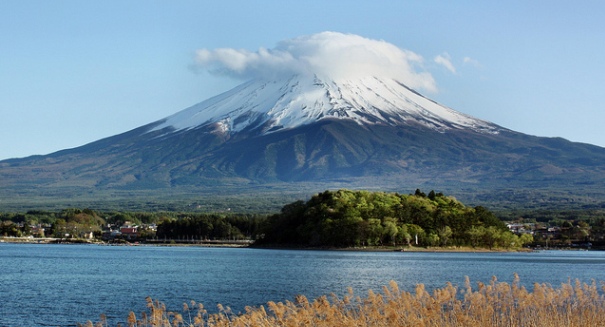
(300, 100)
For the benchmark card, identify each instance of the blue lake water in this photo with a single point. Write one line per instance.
(61, 285)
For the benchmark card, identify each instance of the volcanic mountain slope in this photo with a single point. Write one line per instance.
(369, 132)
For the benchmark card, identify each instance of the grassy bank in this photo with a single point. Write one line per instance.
(494, 304)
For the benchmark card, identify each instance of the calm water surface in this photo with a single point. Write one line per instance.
(61, 285)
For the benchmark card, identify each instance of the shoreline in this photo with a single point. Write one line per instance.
(449, 249)
(239, 244)
(50, 240)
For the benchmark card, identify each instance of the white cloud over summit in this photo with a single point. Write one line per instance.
(328, 54)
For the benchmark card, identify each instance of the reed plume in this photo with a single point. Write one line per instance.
(573, 304)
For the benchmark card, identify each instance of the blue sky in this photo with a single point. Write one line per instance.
(72, 72)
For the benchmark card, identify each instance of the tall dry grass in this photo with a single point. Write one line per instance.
(494, 304)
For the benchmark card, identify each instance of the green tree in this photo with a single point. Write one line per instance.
(433, 239)
(445, 233)
(525, 239)
(491, 237)
(390, 230)
(26, 230)
(403, 235)
(476, 235)
(375, 232)
(508, 240)
(9, 228)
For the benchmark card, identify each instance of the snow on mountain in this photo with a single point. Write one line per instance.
(301, 100)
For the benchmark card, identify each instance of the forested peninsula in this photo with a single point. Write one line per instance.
(346, 218)
(331, 219)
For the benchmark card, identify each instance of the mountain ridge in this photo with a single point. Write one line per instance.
(377, 137)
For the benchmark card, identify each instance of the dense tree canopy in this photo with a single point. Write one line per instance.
(210, 226)
(360, 218)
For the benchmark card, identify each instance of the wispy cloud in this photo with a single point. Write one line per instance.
(445, 60)
(471, 61)
(331, 54)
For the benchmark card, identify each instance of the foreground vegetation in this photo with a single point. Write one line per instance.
(494, 304)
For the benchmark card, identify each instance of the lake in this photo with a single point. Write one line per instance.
(61, 285)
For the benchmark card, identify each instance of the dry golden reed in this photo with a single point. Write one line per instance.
(494, 304)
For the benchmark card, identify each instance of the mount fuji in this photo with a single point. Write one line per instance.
(309, 129)
(357, 130)
(270, 106)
